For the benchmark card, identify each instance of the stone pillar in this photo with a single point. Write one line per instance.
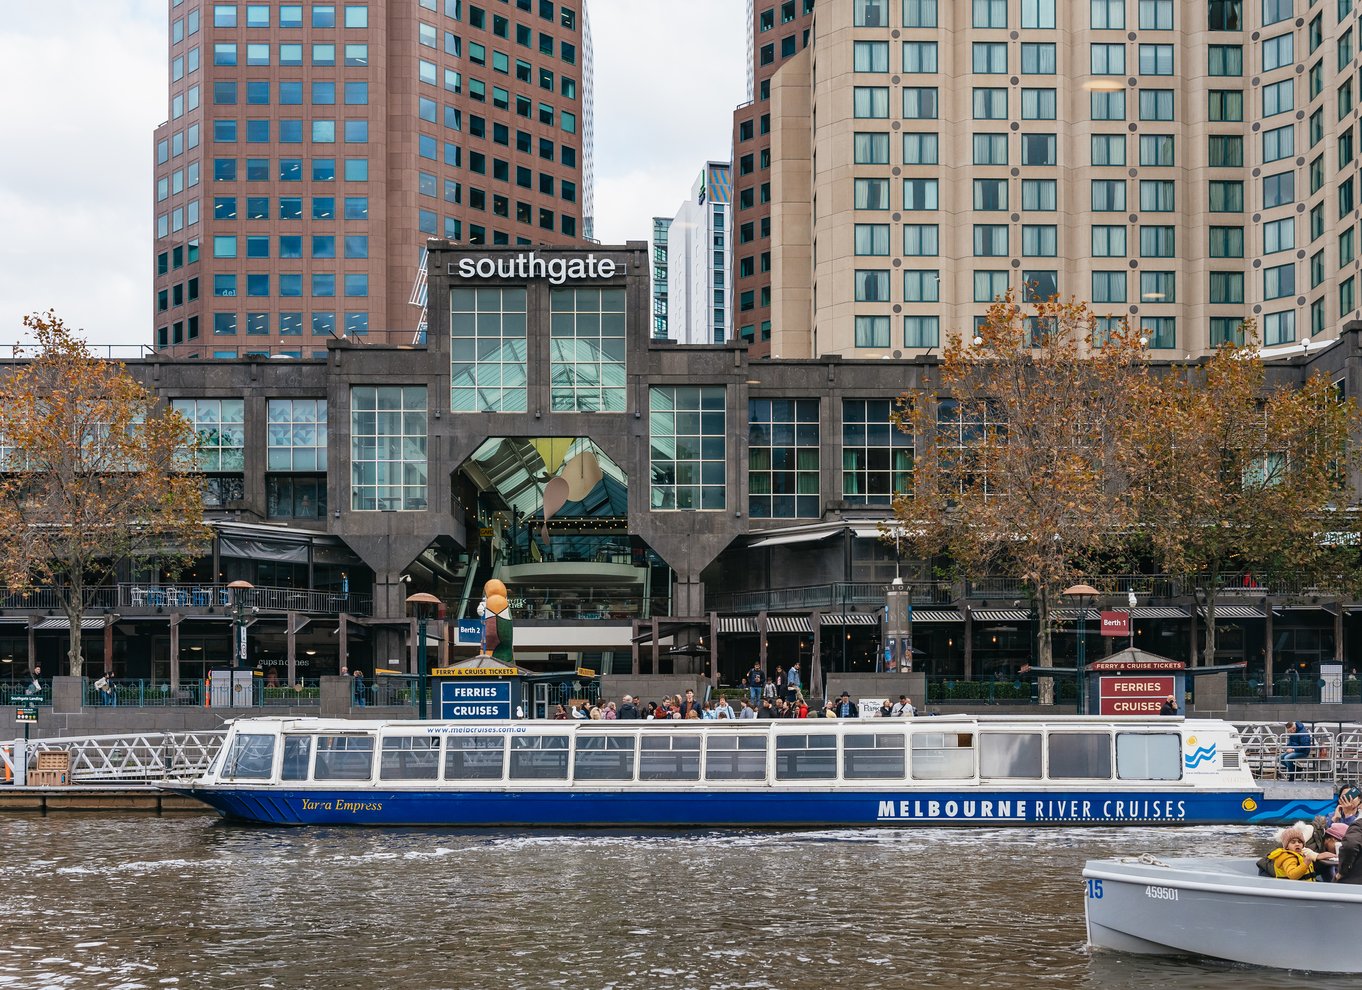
(175, 651)
(1212, 694)
(1268, 674)
(291, 655)
(969, 643)
(108, 643)
(68, 693)
(338, 694)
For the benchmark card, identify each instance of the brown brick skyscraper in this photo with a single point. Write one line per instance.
(313, 147)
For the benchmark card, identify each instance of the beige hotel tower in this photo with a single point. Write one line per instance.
(1182, 165)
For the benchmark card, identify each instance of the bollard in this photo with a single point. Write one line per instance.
(9, 770)
(20, 759)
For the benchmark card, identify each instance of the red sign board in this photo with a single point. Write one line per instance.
(1115, 623)
(1133, 695)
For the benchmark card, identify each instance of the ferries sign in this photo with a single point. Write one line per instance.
(1141, 695)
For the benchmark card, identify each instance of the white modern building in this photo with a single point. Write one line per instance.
(700, 261)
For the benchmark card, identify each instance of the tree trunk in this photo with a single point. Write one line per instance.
(1208, 654)
(1045, 648)
(75, 611)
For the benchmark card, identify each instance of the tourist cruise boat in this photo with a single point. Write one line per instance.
(952, 770)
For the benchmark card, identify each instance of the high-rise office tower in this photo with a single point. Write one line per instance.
(1182, 167)
(777, 30)
(661, 226)
(700, 261)
(313, 148)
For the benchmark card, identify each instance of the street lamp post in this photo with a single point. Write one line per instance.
(421, 602)
(1082, 592)
(238, 589)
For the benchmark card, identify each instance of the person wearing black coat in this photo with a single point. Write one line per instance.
(627, 710)
(1350, 855)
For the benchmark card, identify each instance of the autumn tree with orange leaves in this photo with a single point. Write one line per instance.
(1233, 479)
(92, 474)
(1023, 451)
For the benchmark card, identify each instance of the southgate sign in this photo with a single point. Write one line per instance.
(557, 270)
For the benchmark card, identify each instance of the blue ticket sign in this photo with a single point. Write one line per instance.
(465, 700)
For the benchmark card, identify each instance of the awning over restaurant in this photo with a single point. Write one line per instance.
(937, 615)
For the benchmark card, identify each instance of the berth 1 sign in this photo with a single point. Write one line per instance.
(1133, 695)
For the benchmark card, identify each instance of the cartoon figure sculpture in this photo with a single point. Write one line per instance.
(498, 633)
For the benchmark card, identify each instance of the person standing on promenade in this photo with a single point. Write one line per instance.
(793, 682)
(360, 698)
(756, 678)
(1170, 706)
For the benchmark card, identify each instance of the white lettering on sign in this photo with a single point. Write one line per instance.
(556, 270)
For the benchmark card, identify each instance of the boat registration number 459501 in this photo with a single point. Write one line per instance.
(1161, 893)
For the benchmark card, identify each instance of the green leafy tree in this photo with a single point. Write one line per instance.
(92, 473)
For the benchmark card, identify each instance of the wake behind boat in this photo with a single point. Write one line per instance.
(1223, 909)
(787, 773)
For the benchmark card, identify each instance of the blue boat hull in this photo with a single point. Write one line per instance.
(735, 808)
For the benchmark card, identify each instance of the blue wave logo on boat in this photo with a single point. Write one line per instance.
(1199, 756)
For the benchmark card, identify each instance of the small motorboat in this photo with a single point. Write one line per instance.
(1222, 908)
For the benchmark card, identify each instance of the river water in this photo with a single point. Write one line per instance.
(192, 902)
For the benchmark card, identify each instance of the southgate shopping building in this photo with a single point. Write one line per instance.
(704, 508)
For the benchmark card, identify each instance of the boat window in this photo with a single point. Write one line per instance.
(1076, 755)
(603, 758)
(943, 755)
(873, 755)
(735, 757)
(669, 757)
(297, 756)
(474, 757)
(410, 758)
(1009, 754)
(344, 758)
(539, 757)
(1148, 756)
(250, 758)
(806, 757)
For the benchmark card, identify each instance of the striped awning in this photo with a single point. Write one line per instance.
(1002, 615)
(62, 622)
(737, 624)
(850, 619)
(937, 615)
(788, 624)
(1158, 612)
(1071, 614)
(1235, 612)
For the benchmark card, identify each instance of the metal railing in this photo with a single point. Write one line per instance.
(130, 758)
(825, 596)
(21, 692)
(197, 694)
(1333, 754)
(192, 597)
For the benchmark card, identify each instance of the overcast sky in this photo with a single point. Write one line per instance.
(84, 84)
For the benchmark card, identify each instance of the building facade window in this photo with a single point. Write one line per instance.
(688, 452)
(487, 350)
(877, 457)
(782, 459)
(388, 438)
(296, 434)
(586, 350)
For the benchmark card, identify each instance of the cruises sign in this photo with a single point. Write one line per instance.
(1137, 695)
(467, 700)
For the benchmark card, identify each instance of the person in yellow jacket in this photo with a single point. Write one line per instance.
(1292, 860)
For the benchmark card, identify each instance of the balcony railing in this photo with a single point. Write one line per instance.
(825, 596)
(193, 597)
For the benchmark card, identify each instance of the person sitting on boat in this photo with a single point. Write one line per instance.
(723, 709)
(1349, 869)
(845, 707)
(1327, 864)
(1292, 860)
(767, 710)
(747, 711)
(560, 714)
(609, 712)
(886, 709)
(1298, 747)
(690, 704)
(801, 707)
(1349, 804)
(628, 710)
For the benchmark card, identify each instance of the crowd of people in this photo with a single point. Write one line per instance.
(1327, 850)
(688, 706)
